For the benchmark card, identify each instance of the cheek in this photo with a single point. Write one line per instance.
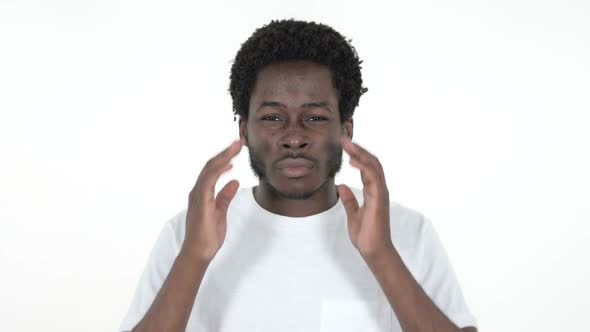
(332, 145)
(329, 150)
(262, 143)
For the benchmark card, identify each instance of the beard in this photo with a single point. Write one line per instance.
(333, 164)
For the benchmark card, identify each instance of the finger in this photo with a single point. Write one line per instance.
(353, 150)
(350, 203)
(372, 174)
(369, 176)
(351, 206)
(359, 153)
(226, 155)
(226, 194)
(215, 167)
(211, 178)
(204, 189)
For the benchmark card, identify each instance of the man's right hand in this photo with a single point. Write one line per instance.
(206, 221)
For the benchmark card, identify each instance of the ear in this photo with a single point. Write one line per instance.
(347, 127)
(243, 130)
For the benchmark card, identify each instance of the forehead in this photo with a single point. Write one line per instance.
(295, 79)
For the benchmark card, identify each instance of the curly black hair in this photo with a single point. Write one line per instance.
(290, 40)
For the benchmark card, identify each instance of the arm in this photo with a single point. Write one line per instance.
(414, 309)
(369, 231)
(205, 228)
(172, 306)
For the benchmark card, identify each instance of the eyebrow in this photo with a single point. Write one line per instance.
(276, 104)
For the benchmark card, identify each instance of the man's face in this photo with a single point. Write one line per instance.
(293, 129)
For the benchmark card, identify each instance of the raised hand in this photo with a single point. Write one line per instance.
(206, 221)
(368, 225)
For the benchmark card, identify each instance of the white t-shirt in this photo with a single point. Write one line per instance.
(277, 273)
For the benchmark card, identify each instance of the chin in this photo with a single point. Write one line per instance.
(296, 188)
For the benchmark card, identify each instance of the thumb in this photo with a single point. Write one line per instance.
(225, 195)
(350, 203)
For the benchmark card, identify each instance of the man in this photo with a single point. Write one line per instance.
(297, 252)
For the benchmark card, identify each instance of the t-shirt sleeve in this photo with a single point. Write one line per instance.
(156, 270)
(438, 279)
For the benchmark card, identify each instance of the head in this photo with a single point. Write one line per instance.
(295, 86)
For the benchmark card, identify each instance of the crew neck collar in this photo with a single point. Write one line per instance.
(277, 221)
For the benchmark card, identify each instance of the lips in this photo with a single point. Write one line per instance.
(294, 162)
(294, 167)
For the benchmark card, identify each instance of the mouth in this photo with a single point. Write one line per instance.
(295, 172)
(295, 167)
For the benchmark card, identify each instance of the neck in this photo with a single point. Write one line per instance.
(321, 200)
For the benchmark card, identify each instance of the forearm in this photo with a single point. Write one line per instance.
(172, 306)
(414, 309)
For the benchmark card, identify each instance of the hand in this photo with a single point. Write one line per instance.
(368, 225)
(206, 221)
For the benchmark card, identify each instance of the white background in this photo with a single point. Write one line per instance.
(479, 111)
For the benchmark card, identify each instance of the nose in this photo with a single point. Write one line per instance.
(294, 141)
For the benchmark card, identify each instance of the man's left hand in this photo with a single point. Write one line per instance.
(368, 225)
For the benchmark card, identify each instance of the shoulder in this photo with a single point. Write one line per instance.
(409, 227)
(409, 219)
(176, 225)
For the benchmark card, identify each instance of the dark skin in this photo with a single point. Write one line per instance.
(293, 113)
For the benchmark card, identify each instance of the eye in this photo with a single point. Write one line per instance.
(316, 118)
(270, 118)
